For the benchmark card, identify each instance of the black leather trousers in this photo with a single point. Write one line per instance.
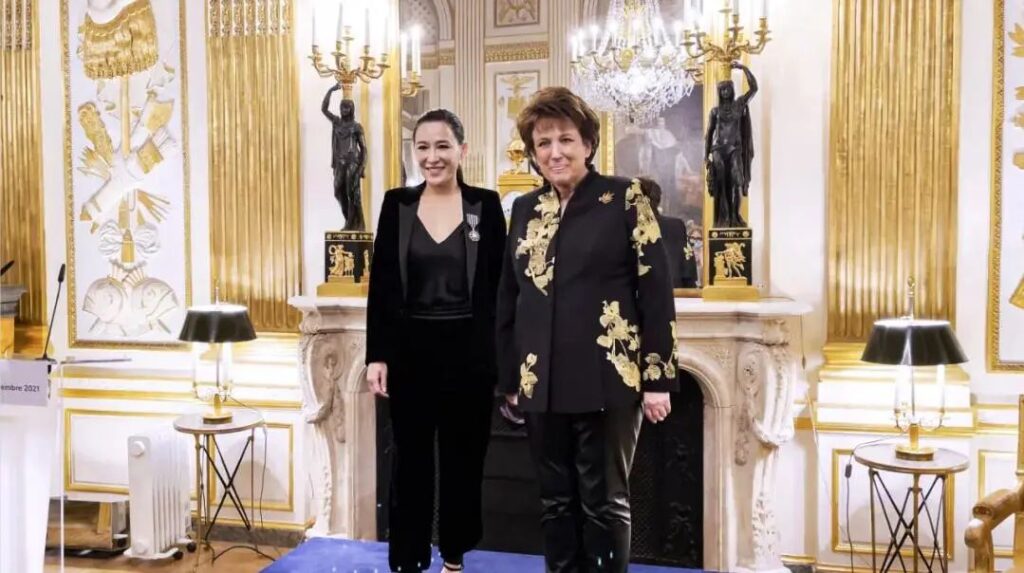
(583, 463)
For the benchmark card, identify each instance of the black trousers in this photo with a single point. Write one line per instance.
(437, 393)
(583, 463)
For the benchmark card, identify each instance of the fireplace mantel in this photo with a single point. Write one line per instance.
(739, 353)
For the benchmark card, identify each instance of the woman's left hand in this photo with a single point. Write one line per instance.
(657, 406)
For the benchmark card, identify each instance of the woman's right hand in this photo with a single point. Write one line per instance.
(377, 377)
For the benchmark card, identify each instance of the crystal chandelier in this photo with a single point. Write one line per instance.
(631, 68)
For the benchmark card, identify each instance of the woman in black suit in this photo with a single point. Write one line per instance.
(586, 332)
(430, 343)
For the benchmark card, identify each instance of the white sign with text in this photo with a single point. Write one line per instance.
(24, 382)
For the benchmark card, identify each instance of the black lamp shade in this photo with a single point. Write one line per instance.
(932, 343)
(217, 323)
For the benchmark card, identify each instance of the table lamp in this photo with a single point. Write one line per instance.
(218, 324)
(909, 342)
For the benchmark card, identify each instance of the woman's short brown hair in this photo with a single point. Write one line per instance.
(559, 103)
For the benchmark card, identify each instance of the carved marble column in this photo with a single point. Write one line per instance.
(469, 17)
(563, 20)
(765, 384)
(341, 448)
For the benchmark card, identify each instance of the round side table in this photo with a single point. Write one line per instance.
(903, 516)
(205, 435)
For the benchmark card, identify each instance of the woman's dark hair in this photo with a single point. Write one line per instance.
(559, 103)
(441, 115)
(651, 190)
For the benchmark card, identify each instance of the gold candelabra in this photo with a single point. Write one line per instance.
(701, 47)
(411, 85)
(347, 69)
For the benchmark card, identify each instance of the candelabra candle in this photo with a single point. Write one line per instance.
(340, 33)
(403, 54)
(366, 27)
(416, 51)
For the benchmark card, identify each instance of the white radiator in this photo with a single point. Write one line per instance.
(158, 492)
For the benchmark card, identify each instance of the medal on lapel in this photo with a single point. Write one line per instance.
(473, 220)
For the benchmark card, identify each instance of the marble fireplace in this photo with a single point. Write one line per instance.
(739, 353)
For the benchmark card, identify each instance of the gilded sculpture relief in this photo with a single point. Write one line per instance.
(126, 181)
(509, 13)
(1006, 263)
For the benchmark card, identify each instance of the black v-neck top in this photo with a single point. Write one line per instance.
(438, 286)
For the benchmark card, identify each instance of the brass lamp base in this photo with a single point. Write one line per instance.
(916, 454)
(914, 451)
(217, 415)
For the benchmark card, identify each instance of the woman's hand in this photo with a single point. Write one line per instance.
(512, 399)
(377, 377)
(657, 406)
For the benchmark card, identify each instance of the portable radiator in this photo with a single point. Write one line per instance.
(158, 494)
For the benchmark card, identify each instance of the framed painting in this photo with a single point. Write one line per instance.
(668, 151)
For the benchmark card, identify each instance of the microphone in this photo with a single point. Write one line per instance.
(53, 315)
(6, 267)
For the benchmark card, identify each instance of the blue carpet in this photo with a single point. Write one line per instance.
(325, 555)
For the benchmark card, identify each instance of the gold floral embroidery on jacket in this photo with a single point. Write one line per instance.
(647, 230)
(527, 379)
(622, 340)
(539, 232)
(658, 368)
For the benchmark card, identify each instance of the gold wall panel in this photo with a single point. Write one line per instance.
(1003, 285)
(982, 465)
(21, 181)
(892, 190)
(255, 193)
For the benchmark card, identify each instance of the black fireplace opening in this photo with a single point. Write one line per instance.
(666, 485)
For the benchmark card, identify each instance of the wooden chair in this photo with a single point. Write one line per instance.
(993, 509)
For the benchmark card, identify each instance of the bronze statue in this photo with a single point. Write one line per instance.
(729, 150)
(348, 158)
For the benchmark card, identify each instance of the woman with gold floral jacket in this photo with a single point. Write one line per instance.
(585, 331)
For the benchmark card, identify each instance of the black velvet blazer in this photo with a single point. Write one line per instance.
(586, 317)
(386, 312)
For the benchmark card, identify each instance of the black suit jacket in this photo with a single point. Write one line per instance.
(586, 317)
(681, 263)
(386, 312)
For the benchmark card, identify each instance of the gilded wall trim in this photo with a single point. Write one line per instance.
(493, 53)
(993, 360)
(982, 465)
(892, 200)
(516, 52)
(21, 178)
(287, 505)
(254, 158)
(445, 57)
